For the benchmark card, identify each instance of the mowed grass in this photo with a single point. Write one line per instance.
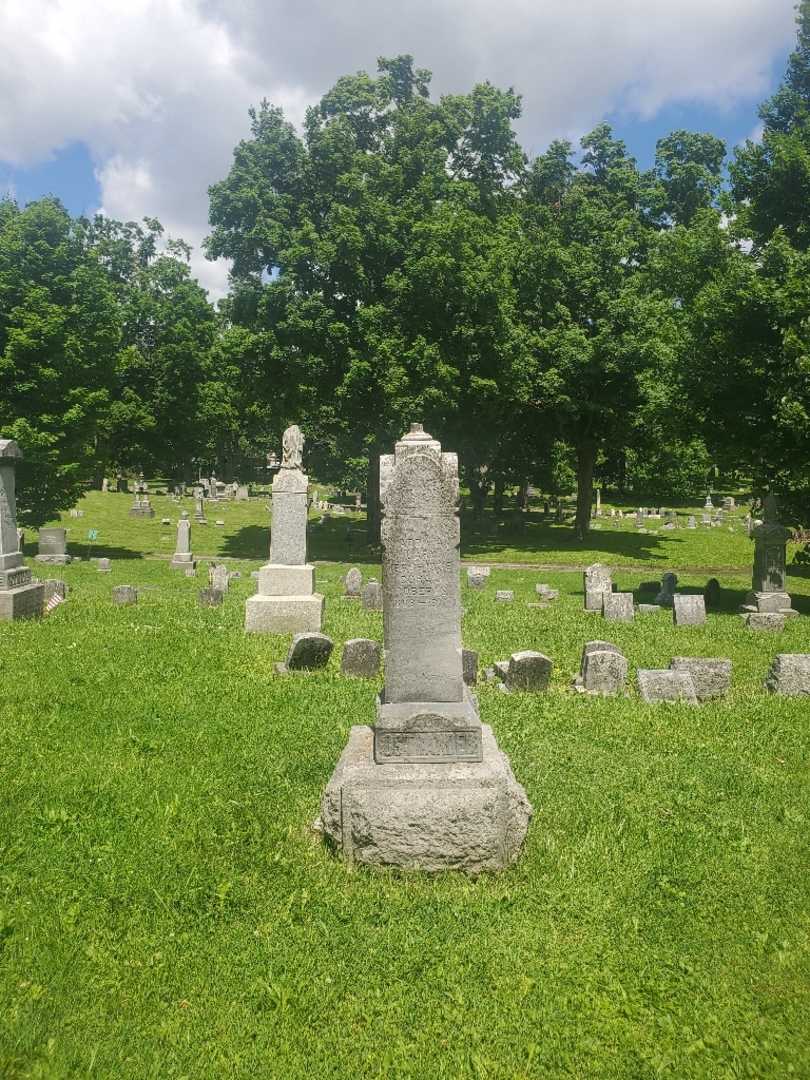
(168, 912)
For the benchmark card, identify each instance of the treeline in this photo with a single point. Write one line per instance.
(559, 321)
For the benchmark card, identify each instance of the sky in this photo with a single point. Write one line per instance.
(133, 107)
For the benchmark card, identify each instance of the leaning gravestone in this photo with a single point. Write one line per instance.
(182, 558)
(361, 658)
(688, 610)
(528, 671)
(285, 601)
(427, 788)
(657, 685)
(789, 675)
(618, 607)
(308, 651)
(711, 677)
(52, 546)
(603, 669)
(20, 597)
(597, 582)
(769, 579)
(353, 583)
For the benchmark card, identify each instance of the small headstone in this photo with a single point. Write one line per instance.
(361, 658)
(219, 522)
(191, 571)
(372, 596)
(104, 566)
(308, 652)
(353, 583)
(789, 675)
(165, 521)
(666, 593)
(705, 519)
(691, 522)
(603, 669)
(656, 685)
(505, 596)
(476, 580)
(688, 610)
(765, 620)
(528, 671)
(711, 677)
(546, 592)
(469, 666)
(618, 607)
(711, 593)
(596, 582)
(218, 577)
(54, 587)
(211, 597)
(125, 594)
(648, 609)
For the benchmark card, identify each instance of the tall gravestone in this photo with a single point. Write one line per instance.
(182, 557)
(427, 788)
(769, 579)
(20, 597)
(286, 601)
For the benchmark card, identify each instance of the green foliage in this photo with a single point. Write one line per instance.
(59, 333)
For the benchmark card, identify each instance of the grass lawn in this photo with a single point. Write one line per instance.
(165, 910)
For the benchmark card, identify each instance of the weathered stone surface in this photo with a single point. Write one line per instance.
(218, 576)
(596, 582)
(665, 597)
(711, 677)
(125, 594)
(477, 581)
(372, 595)
(428, 732)
(23, 602)
(460, 816)
(656, 685)
(770, 552)
(618, 607)
(711, 593)
(52, 546)
(103, 566)
(789, 675)
(469, 666)
(309, 651)
(353, 583)
(546, 592)
(283, 614)
(648, 609)
(603, 669)
(54, 587)
(765, 620)
(211, 597)
(505, 596)
(688, 610)
(288, 536)
(182, 553)
(361, 658)
(528, 671)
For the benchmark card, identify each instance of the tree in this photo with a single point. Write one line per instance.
(59, 333)
(368, 263)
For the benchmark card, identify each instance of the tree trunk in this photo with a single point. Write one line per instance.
(523, 496)
(478, 495)
(497, 498)
(586, 460)
(621, 472)
(373, 498)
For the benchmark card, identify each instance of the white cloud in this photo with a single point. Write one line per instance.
(159, 89)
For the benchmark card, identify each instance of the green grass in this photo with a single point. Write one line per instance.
(165, 910)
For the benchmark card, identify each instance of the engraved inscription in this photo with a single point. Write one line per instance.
(415, 747)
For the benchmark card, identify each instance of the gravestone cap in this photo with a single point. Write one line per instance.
(9, 449)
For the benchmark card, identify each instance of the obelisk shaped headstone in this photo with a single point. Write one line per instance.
(428, 788)
(20, 597)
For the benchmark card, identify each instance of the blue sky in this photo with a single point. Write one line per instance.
(135, 107)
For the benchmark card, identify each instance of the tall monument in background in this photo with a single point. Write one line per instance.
(427, 788)
(20, 597)
(286, 601)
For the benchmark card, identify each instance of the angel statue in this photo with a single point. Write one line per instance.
(292, 448)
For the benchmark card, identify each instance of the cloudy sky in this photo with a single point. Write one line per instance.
(134, 106)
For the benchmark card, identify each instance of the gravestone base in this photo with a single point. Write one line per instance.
(463, 816)
(183, 561)
(23, 602)
(767, 602)
(142, 511)
(60, 560)
(427, 732)
(283, 614)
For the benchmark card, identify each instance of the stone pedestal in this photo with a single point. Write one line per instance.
(20, 597)
(427, 788)
(285, 601)
(768, 593)
(433, 817)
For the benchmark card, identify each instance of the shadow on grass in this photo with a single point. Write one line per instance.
(538, 536)
(100, 551)
(334, 540)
